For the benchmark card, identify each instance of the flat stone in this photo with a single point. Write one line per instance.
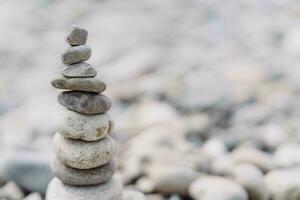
(216, 188)
(72, 176)
(76, 54)
(85, 103)
(33, 196)
(84, 155)
(111, 190)
(79, 84)
(76, 35)
(73, 125)
(79, 70)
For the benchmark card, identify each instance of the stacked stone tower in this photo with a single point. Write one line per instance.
(84, 164)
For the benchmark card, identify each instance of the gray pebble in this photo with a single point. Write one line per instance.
(72, 176)
(76, 54)
(76, 35)
(85, 103)
(79, 70)
(74, 125)
(84, 155)
(111, 190)
(79, 84)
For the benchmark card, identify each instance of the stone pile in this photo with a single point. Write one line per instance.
(84, 163)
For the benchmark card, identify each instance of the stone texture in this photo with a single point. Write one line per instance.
(76, 35)
(76, 54)
(79, 70)
(252, 179)
(111, 190)
(85, 103)
(84, 155)
(72, 176)
(79, 84)
(216, 188)
(84, 127)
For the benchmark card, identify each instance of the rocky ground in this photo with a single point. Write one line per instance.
(205, 94)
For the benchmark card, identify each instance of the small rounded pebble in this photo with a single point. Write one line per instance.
(84, 127)
(79, 84)
(76, 54)
(216, 188)
(79, 70)
(111, 190)
(33, 196)
(76, 35)
(252, 179)
(84, 102)
(72, 176)
(130, 194)
(84, 155)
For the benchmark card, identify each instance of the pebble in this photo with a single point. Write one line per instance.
(84, 155)
(84, 127)
(287, 155)
(33, 196)
(11, 191)
(252, 179)
(216, 188)
(111, 190)
(79, 84)
(80, 177)
(85, 103)
(249, 154)
(130, 194)
(79, 70)
(13, 166)
(284, 184)
(76, 35)
(76, 54)
(173, 179)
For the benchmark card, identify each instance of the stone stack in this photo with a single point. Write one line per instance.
(84, 164)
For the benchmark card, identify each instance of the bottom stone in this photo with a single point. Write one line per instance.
(111, 190)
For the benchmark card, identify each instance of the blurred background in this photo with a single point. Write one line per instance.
(198, 88)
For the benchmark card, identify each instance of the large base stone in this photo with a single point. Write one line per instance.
(111, 190)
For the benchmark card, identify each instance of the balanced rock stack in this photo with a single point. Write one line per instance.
(84, 164)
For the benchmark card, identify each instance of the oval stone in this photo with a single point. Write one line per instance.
(84, 102)
(84, 127)
(111, 190)
(82, 154)
(76, 54)
(72, 176)
(79, 70)
(76, 35)
(79, 84)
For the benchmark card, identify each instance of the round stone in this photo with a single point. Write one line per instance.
(79, 84)
(79, 70)
(76, 54)
(76, 35)
(73, 125)
(84, 102)
(111, 190)
(72, 176)
(84, 155)
(216, 188)
(130, 194)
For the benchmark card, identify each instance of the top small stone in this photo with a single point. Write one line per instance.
(76, 36)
